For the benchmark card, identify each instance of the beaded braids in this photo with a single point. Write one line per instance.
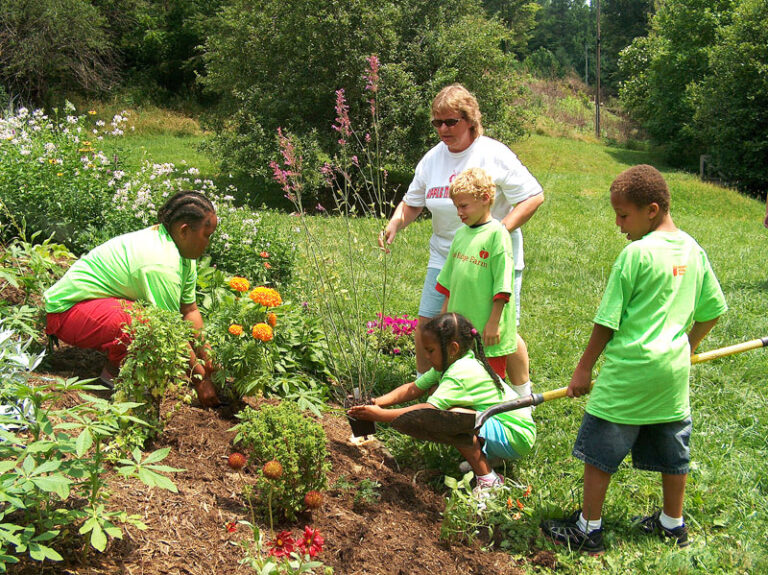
(187, 207)
(448, 327)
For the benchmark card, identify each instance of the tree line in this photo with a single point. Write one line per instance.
(692, 72)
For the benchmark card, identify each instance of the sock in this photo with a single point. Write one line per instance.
(588, 526)
(524, 389)
(490, 478)
(670, 523)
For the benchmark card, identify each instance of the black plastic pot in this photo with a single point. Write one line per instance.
(360, 427)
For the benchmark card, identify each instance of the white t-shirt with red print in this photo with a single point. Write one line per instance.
(436, 171)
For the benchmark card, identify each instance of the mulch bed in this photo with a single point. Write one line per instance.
(187, 532)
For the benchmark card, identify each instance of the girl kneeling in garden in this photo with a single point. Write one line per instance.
(463, 381)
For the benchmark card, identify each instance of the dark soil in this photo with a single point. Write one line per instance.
(187, 534)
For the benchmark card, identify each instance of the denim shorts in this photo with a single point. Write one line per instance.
(661, 447)
(432, 300)
(496, 441)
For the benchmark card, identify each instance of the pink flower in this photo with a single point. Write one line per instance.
(343, 125)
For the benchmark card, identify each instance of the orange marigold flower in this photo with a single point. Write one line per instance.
(239, 284)
(262, 331)
(272, 319)
(235, 329)
(266, 296)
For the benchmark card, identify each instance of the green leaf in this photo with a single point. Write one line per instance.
(158, 455)
(6, 466)
(84, 442)
(98, 538)
(40, 552)
(57, 484)
(156, 480)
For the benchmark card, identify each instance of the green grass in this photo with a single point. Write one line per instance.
(570, 246)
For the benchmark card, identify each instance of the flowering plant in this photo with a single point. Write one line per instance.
(394, 335)
(348, 271)
(283, 553)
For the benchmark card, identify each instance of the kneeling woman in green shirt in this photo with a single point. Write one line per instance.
(462, 381)
(88, 306)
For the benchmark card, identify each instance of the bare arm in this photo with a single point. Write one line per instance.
(200, 373)
(491, 333)
(403, 216)
(376, 413)
(406, 392)
(522, 212)
(582, 375)
(698, 331)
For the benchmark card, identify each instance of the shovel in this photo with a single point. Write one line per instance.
(457, 428)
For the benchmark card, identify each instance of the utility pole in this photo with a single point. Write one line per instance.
(597, 73)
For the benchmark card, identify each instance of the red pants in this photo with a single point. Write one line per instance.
(499, 365)
(94, 324)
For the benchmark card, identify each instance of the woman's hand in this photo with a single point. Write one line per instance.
(387, 236)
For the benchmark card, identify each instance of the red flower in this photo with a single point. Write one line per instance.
(313, 499)
(231, 527)
(264, 254)
(236, 461)
(282, 545)
(527, 492)
(312, 543)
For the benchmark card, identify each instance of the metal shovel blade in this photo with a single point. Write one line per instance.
(452, 428)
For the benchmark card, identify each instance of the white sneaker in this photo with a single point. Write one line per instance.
(484, 489)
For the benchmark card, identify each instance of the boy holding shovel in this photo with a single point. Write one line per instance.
(660, 284)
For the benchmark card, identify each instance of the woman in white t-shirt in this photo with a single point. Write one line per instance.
(456, 117)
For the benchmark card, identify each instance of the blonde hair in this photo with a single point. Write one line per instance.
(456, 98)
(473, 181)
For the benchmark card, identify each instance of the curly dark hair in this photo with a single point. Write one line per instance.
(448, 327)
(642, 185)
(187, 207)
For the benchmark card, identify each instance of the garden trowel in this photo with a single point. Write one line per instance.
(456, 427)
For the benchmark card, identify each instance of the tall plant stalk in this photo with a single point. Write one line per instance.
(357, 179)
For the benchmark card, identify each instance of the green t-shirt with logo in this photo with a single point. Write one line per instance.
(659, 285)
(467, 384)
(140, 266)
(479, 266)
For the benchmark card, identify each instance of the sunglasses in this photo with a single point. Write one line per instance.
(450, 122)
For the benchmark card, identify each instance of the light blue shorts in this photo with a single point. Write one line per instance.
(496, 441)
(432, 300)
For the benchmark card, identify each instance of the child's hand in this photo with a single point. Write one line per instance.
(581, 381)
(366, 412)
(491, 334)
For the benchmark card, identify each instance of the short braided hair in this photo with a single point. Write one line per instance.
(188, 207)
(449, 327)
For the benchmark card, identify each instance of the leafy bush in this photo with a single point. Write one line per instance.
(158, 357)
(53, 476)
(57, 182)
(281, 433)
(287, 363)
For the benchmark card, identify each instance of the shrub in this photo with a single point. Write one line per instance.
(281, 433)
(158, 356)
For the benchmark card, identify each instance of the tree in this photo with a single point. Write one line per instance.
(621, 22)
(55, 45)
(278, 63)
(663, 68)
(732, 100)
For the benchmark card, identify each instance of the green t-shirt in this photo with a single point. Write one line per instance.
(139, 266)
(467, 384)
(479, 266)
(659, 285)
